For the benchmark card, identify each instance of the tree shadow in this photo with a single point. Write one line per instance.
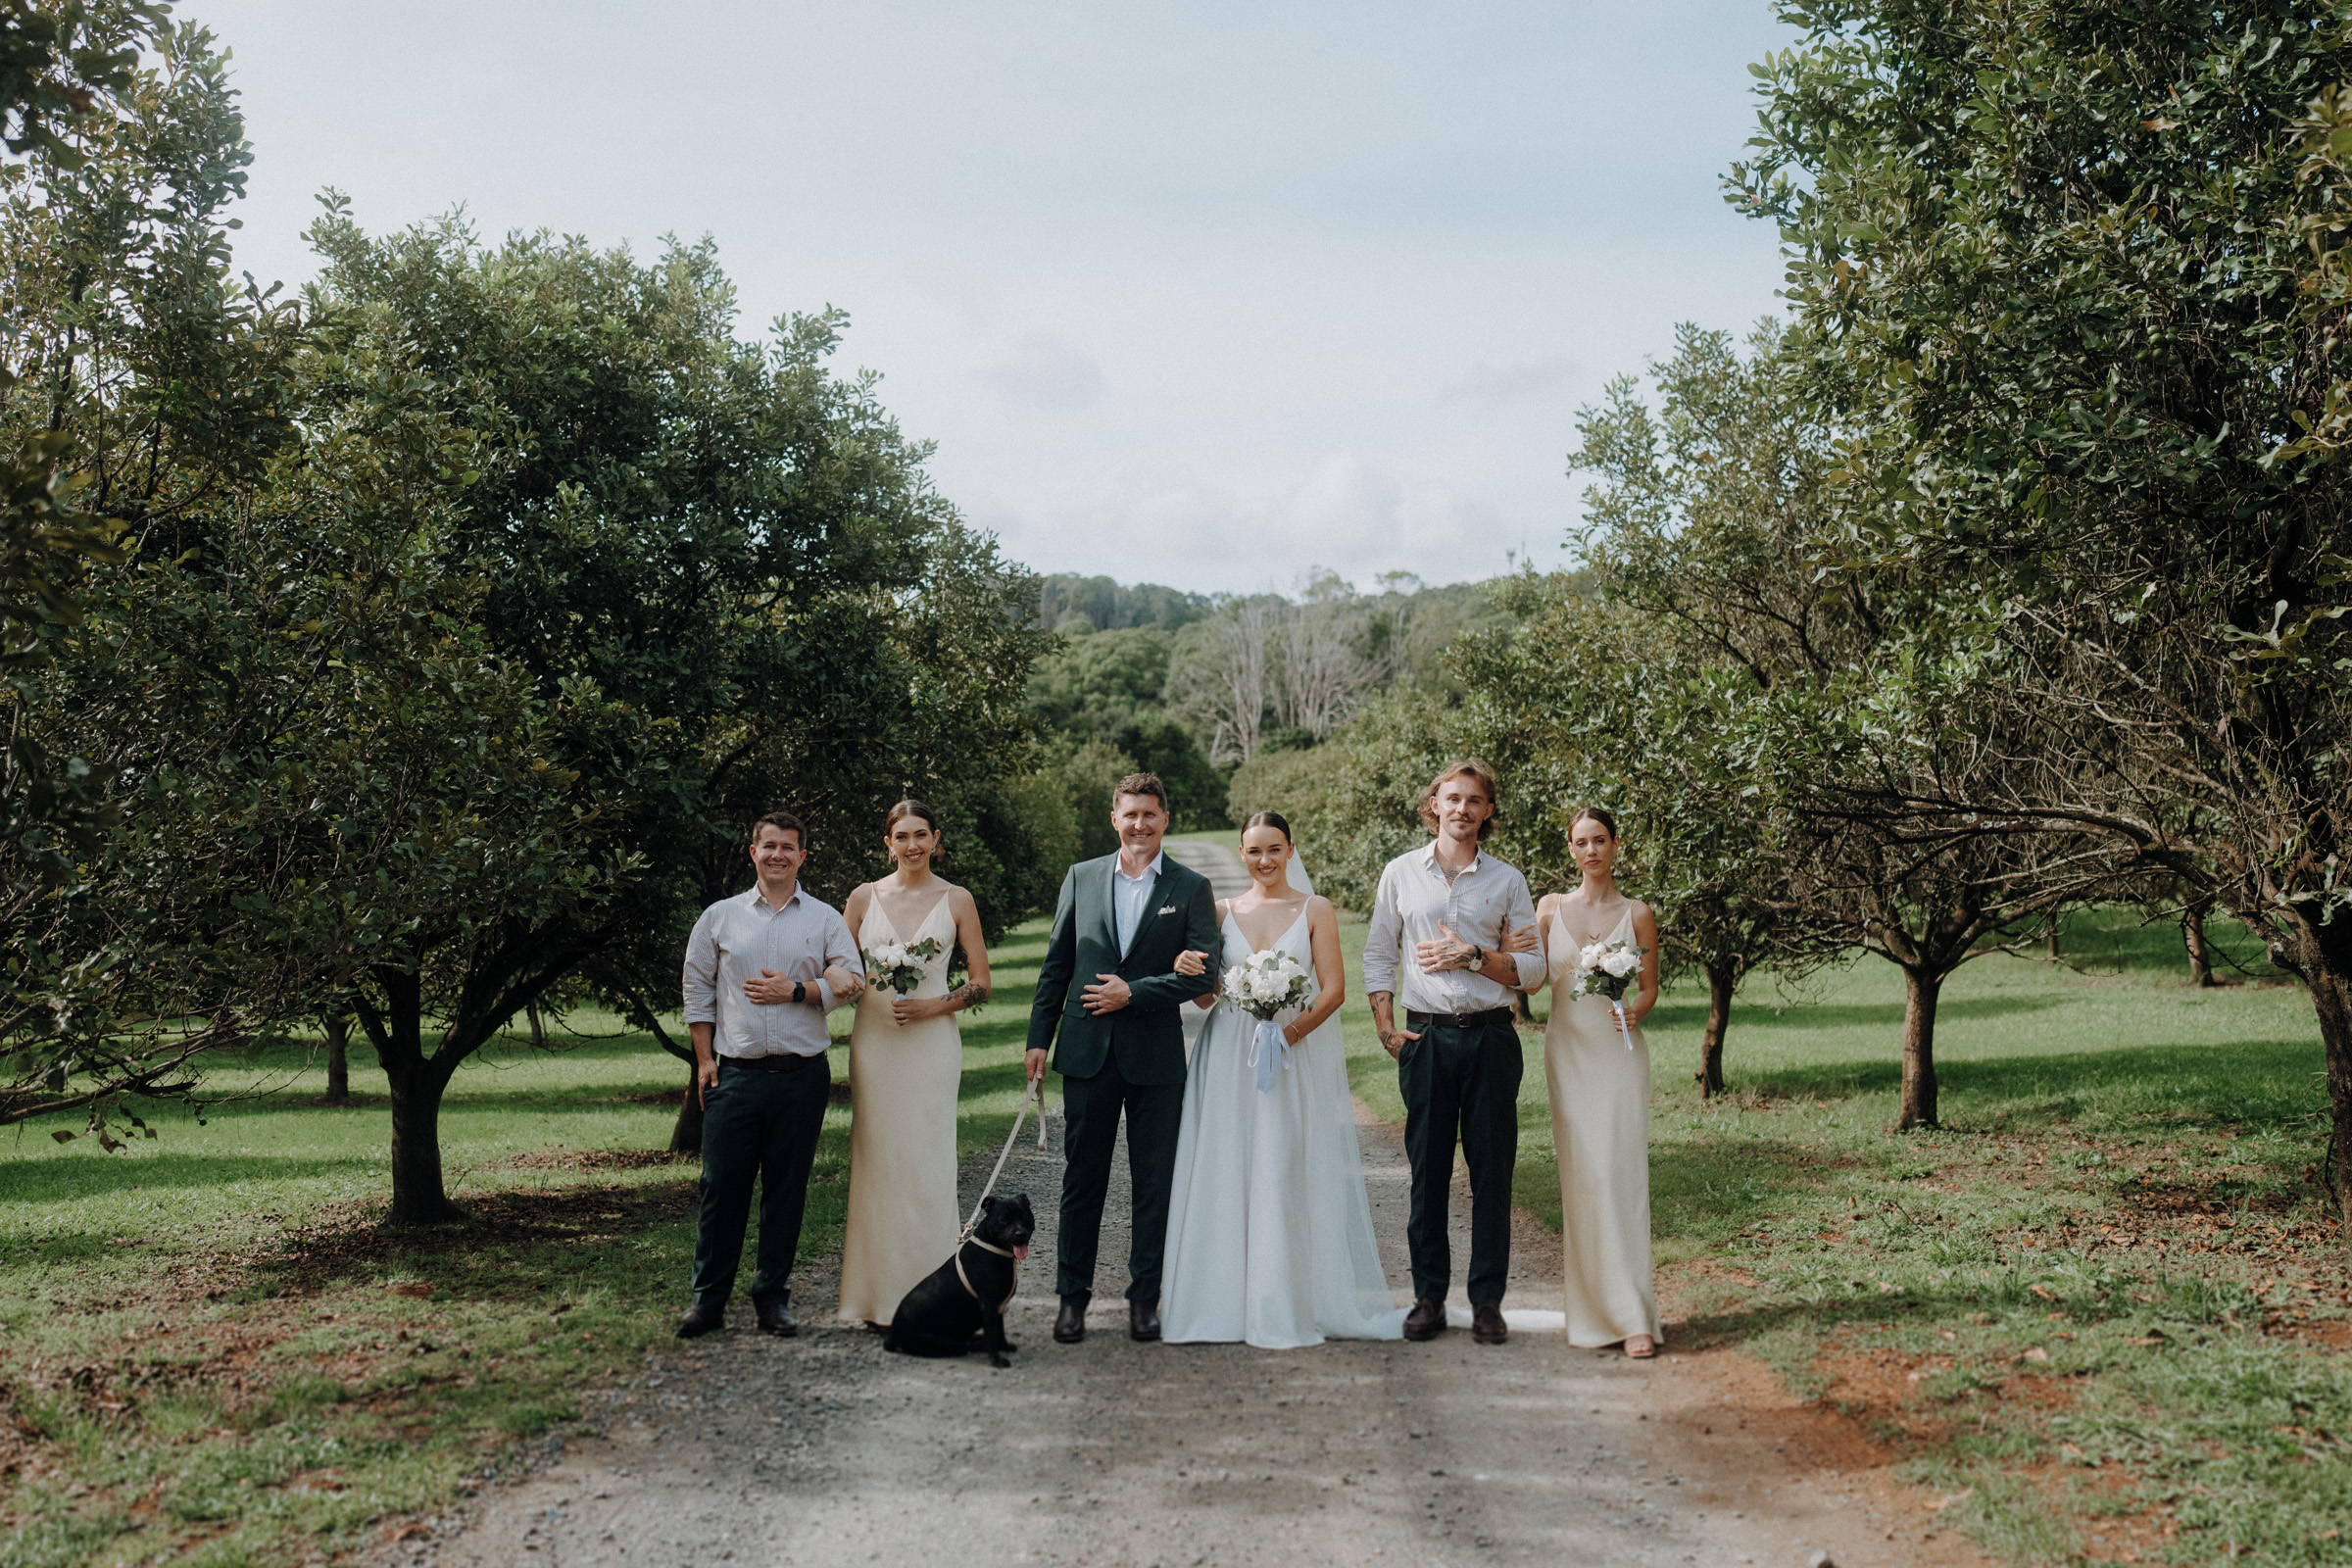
(2245, 1081)
(1713, 1187)
(510, 1246)
(1761, 1017)
(60, 1179)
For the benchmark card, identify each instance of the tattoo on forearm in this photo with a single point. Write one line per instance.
(970, 994)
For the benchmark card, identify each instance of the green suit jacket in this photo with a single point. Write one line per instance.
(1144, 1039)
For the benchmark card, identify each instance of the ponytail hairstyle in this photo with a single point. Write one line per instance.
(917, 808)
(1272, 819)
(1598, 814)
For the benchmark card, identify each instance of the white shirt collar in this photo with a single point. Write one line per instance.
(1118, 868)
(756, 900)
(1429, 857)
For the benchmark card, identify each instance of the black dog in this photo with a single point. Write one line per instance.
(960, 1307)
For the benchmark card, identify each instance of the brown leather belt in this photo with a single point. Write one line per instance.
(1456, 1020)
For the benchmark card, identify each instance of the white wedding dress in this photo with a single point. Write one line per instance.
(1269, 1230)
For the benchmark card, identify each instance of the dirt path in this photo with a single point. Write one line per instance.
(826, 1450)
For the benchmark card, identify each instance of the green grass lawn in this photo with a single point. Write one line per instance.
(206, 1343)
(2109, 1271)
(2103, 1307)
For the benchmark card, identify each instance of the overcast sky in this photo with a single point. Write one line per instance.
(1202, 294)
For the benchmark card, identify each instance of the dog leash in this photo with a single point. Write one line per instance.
(1038, 1085)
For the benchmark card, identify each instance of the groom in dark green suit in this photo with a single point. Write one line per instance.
(1118, 929)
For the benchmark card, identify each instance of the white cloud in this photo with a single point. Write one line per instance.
(1353, 295)
(1348, 511)
(1507, 383)
(1048, 375)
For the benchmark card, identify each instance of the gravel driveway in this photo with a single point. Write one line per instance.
(827, 1451)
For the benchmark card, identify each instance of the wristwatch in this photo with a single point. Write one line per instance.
(800, 990)
(1478, 958)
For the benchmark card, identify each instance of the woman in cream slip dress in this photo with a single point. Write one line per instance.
(905, 1072)
(1598, 1075)
(1270, 1237)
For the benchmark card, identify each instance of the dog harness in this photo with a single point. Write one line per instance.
(1001, 1252)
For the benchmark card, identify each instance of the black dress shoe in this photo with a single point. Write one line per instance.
(1487, 1326)
(701, 1320)
(776, 1320)
(1143, 1321)
(1426, 1321)
(1069, 1323)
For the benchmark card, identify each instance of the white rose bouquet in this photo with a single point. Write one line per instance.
(1609, 969)
(1264, 985)
(898, 966)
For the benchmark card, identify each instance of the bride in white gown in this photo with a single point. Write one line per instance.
(1269, 1230)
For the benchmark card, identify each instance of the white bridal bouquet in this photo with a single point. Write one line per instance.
(898, 966)
(1609, 969)
(1264, 985)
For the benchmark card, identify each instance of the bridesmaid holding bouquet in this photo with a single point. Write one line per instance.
(1602, 965)
(906, 1069)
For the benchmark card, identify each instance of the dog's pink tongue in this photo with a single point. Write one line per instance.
(1020, 1251)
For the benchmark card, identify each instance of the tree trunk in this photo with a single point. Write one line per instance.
(338, 1059)
(2328, 973)
(2050, 939)
(416, 1081)
(1921, 990)
(686, 1132)
(1720, 982)
(418, 1196)
(2200, 954)
(530, 1010)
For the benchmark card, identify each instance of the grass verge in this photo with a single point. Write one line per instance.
(2102, 1310)
(214, 1350)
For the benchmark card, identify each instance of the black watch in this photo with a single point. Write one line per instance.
(1478, 958)
(800, 990)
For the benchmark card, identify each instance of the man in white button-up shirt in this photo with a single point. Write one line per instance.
(1440, 922)
(762, 969)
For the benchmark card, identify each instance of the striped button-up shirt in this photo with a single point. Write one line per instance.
(1414, 899)
(739, 937)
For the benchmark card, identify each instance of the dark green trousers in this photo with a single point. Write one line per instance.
(1461, 1083)
(1091, 1109)
(758, 1126)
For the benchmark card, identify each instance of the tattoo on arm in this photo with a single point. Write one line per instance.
(968, 995)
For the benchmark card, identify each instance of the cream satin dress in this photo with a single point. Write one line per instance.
(1601, 1132)
(904, 1084)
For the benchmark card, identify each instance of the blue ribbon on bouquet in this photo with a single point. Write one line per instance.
(1269, 1053)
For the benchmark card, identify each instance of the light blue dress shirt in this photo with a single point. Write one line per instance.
(1130, 897)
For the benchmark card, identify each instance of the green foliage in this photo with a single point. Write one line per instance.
(732, 550)
(434, 638)
(324, 1373)
(139, 390)
(1072, 791)
(1353, 803)
(1104, 605)
(1099, 680)
(1102, 688)
(2067, 274)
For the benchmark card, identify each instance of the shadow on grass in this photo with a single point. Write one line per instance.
(49, 1181)
(1762, 1017)
(2116, 942)
(514, 1244)
(1714, 1187)
(2267, 1081)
